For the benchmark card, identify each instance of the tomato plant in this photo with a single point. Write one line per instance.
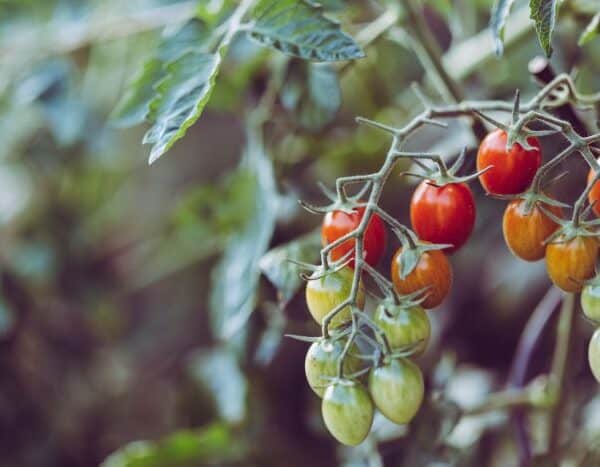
(443, 214)
(347, 411)
(397, 389)
(525, 232)
(321, 360)
(509, 171)
(326, 291)
(590, 302)
(594, 354)
(339, 223)
(403, 325)
(594, 195)
(570, 262)
(432, 274)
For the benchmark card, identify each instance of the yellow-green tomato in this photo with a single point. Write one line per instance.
(325, 293)
(590, 301)
(347, 411)
(403, 326)
(397, 389)
(321, 363)
(594, 354)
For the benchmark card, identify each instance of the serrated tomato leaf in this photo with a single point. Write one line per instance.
(543, 13)
(235, 278)
(299, 28)
(498, 18)
(591, 31)
(284, 274)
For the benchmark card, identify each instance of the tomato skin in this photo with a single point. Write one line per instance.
(321, 361)
(525, 234)
(325, 293)
(594, 354)
(590, 302)
(404, 326)
(336, 224)
(432, 270)
(347, 411)
(594, 195)
(397, 389)
(443, 214)
(572, 262)
(513, 170)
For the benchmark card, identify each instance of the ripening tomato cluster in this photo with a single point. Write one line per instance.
(590, 304)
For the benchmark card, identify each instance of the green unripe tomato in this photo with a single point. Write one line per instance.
(347, 411)
(327, 292)
(321, 361)
(590, 302)
(397, 389)
(594, 354)
(403, 326)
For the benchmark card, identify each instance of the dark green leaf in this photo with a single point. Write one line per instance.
(235, 278)
(284, 274)
(298, 28)
(312, 93)
(184, 448)
(543, 13)
(133, 107)
(591, 31)
(500, 12)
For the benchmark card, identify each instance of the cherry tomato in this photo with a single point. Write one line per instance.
(590, 302)
(403, 326)
(513, 170)
(327, 292)
(336, 224)
(397, 389)
(594, 354)
(433, 270)
(525, 233)
(570, 263)
(443, 214)
(594, 195)
(347, 411)
(321, 363)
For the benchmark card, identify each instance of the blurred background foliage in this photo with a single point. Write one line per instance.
(141, 317)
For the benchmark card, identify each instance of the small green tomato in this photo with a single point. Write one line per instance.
(347, 411)
(404, 326)
(594, 354)
(397, 389)
(590, 302)
(327, 292)
(321, 363)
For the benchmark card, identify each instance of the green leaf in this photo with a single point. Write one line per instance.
(591, 31)
(312, 93)
(219, 372)
(284, 274)
(543, 13)
(298, 28)
(185, 448)
(500, 12)
(181, 97)
(236, 277)
(133, 108)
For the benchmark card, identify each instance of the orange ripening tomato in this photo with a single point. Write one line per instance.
(513, 170)
(525, 233)
(336, 224)
(571, 262)
(443, 214)
(594, 195)
(433, 270)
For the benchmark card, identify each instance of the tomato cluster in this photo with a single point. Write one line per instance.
(442, 214)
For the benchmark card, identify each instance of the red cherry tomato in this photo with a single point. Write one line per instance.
(513, 170)
(338, 223)
(444, 214)
(594, 196)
